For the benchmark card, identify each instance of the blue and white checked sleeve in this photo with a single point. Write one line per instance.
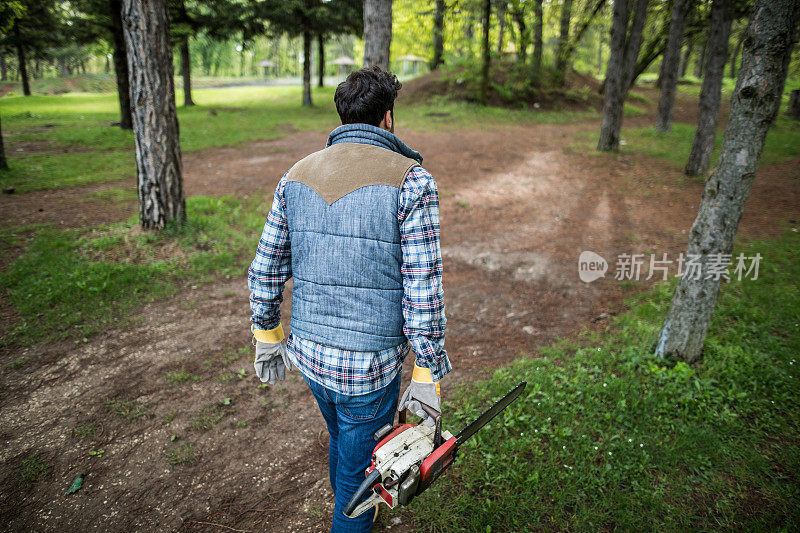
(272, 265)
(423, 293)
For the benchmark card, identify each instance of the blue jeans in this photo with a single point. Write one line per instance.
(352, 421)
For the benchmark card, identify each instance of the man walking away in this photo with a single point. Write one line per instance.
(357, 226)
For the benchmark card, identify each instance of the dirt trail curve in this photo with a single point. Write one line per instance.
(518, 206)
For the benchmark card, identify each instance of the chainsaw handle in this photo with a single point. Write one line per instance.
(433, 413)
(365, 487)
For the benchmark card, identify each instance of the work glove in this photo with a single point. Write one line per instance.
(423, 390)
(271, 360)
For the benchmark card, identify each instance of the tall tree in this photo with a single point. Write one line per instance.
(438, 35)
(711, 92)
(563, 37)
(155, 122)
(670, 65)
(536, 64)
(3, 162)
(377, 32)
(486, 60)
(619, 73)
(321, 59)
(183, 25)
(564, 53)
(518, 14)
(771, 35)
(120, 56)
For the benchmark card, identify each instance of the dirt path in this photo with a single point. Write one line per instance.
(518, 207)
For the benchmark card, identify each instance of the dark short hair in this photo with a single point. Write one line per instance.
(366, 95)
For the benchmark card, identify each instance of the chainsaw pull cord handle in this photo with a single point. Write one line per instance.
(365, 487)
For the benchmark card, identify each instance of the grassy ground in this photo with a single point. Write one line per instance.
(73, 283)
(608, 437)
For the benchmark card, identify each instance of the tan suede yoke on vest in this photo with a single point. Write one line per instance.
(342, 168)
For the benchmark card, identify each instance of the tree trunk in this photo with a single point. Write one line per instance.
(687, 54)
(155, 122)
(563, 39)
(565, 55)
(501, 21)
(120, 65)
(672, 55)
(736, 55)
(765, 60)
(794, 104)
(377, 32)
(698, 68)
(711, 92)
(619, 73)
(321, 61)
(3, 68)
(307, 68)
(519, 18)
(438, 35)
(23, 68)
(486, 60)
(536, 66)
(3, 162)
(186, 72)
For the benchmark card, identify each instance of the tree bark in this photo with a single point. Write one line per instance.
(321, 62)
(619, 73)
(486, 60)
(698, 68)
(711, 92)
(794, 104)
(536, 65)
(377, 32)
(765, 60)
(572, 43)
(672, 55)
(23, 67)
(120, 64)
(687, 54)
(736, 55)
(3, 162)
(518, 15)
(307, 68)
(155, 122)
(563, 39)
(186, 72)
(438, 35)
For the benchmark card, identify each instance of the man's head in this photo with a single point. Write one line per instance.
(367, 96)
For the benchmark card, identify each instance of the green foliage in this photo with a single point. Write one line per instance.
(608, 437)
(178, 377)
(210, 416)
(87, 430)
(31, 470)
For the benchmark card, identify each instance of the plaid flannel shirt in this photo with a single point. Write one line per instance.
(423, 295)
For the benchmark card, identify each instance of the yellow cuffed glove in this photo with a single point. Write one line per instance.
(423, 390)
(271, 360)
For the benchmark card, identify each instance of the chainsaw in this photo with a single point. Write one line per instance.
(410, 457)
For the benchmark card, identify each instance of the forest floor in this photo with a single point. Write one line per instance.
(184, 439)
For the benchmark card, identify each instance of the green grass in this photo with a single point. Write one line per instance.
(74, 283)
(127, 409)
(181, 455)
(87, 430)
(179, 377)
(607, 437)
(31, 470)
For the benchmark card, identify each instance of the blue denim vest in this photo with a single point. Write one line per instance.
(341, 209)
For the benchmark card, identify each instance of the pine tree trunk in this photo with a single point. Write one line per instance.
(698, 68)
(633, 46)
(765, 60)
(536, 65)
(120, 65)
(486, 60)
(735, 55)
(3, 68)
(3, 162)
(186, 72)
(155, 122)
(672, 55)
(321, 62)
(711, 92)
(23, 67)
(687, 54)
(438, 35)
(377, 32)
(501, 22)
(307, 68)
(519, 18)
(615, 75)
(563, 39)
(794, 104)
